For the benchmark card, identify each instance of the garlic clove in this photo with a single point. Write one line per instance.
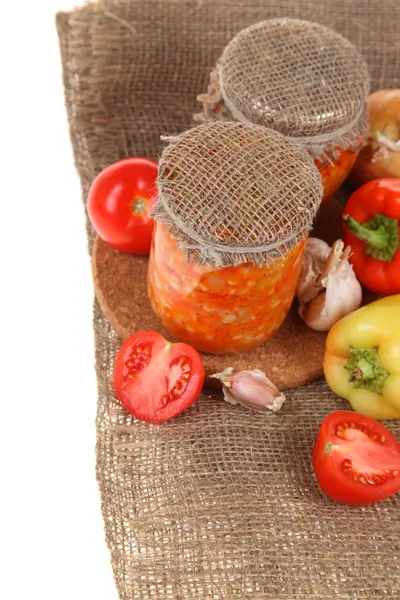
(315, 256)
(332, 261)
(251, 389)
(315, 314)
(340, 291)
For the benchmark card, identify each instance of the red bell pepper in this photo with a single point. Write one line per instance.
(372, 229)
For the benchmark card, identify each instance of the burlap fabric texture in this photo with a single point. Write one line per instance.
(220, 503)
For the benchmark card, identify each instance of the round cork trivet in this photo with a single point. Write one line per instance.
(292, 357)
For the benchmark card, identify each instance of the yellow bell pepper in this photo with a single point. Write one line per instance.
(362, 359)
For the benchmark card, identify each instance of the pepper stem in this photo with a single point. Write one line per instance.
(380, 234)
(365, 368)
(377, 237)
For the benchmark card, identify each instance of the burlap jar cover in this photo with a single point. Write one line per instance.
(220, 503)
(226, 204)
(297, 77)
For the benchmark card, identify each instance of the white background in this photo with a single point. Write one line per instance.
(51, 535)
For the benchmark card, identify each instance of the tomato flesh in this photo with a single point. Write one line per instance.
(120, 202)
(156, 380)
(356, 459)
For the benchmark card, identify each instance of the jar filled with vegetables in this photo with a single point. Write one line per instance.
(301, 79)
(236, 202)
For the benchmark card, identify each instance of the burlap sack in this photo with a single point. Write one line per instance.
(220, 503)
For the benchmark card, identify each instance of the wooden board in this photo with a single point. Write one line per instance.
(292, 357)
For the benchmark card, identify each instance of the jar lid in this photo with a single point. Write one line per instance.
(296, 77)
(236, 192)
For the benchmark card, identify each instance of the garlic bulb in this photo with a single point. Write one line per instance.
(328, 288)
(251, 389)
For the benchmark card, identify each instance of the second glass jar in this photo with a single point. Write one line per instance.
(301, 79)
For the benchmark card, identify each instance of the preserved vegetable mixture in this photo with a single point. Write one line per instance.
(335, 171)
(230, 234)
(312, 88)
(220, 310)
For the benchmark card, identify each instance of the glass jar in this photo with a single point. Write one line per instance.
(230, 234)
(301, 79)
(220, 310)
(335, 169)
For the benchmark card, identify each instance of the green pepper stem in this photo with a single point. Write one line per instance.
(365, 369)
(377, 237)
(380, 234)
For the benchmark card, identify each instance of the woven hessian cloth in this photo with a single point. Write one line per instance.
(220, 503)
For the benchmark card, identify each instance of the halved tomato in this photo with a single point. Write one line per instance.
(356, 459)
(155, 379)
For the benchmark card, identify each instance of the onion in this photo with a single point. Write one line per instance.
(380, 157)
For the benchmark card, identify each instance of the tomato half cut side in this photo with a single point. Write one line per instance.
(156, 380)
(356, 459)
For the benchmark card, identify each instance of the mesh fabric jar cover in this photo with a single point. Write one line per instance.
(236, 192)
(296, 77)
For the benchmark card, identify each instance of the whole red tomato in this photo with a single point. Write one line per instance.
(120, 201)
(356, 459)
(156, 380)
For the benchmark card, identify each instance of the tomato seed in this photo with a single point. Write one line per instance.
(339, 433)
(395, 473)
(355, 477)
(186, 368)
(130, 375)
(353, 425)
(383, 439)
(129, 364)
(372, 479)
(363, 480)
